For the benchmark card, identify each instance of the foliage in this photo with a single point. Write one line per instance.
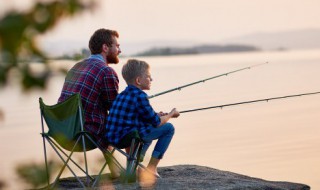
(18, 32)
(35, 174)
(76, 56)
(2, 185)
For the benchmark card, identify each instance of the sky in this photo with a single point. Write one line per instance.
(140, 21)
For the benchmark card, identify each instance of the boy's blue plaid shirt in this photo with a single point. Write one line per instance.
(130, 110)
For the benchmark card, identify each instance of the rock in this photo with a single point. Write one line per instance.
(193, 177)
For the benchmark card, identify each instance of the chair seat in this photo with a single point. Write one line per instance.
(127, 139)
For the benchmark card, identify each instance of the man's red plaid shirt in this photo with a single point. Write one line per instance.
(98, 85)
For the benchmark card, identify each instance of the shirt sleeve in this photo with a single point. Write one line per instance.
(110, 87)
(146, 112)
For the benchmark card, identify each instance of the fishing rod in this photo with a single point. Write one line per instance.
(204, 80)
(249, 102)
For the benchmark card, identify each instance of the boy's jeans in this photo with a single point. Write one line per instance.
(164, 134)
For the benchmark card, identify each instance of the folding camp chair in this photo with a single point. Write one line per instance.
(65, 131)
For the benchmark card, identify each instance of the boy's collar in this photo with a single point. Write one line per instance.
(133, 86)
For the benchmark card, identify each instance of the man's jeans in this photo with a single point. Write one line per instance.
(164, 134)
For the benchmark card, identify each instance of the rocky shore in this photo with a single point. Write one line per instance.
(194, 177)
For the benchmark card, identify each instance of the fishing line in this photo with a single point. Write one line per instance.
(249, 102)
(204, 80)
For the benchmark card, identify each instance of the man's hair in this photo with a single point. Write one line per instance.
(100, 37)
(133, 69)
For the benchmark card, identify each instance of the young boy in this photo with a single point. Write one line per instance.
(131, 110)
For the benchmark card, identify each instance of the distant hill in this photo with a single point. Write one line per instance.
(291, 39)
(133, 48)
(196, 50)
(294, 39)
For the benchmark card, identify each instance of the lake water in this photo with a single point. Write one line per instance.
(278, 140)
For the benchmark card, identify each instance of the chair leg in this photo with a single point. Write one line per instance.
(99, 175)
(46, 159)
(132, 162)
(65, 154)
(65, 165)
(85, 160)
(44, 149)
(109, 158)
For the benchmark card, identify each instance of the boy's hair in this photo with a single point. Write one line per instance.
(133, 69)
(100, 37)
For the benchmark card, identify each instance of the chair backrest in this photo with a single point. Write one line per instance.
(65, 122)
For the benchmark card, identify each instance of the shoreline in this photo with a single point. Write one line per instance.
(194, 177)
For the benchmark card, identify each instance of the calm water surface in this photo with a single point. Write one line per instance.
(276, 141)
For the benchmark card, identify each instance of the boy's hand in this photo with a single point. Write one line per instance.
(175, 113)
(162, 114)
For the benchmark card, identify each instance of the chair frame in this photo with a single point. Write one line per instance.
(60, 152)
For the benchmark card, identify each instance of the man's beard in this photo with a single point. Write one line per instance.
(113, 58)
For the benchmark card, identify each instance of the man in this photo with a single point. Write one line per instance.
(96, 82)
